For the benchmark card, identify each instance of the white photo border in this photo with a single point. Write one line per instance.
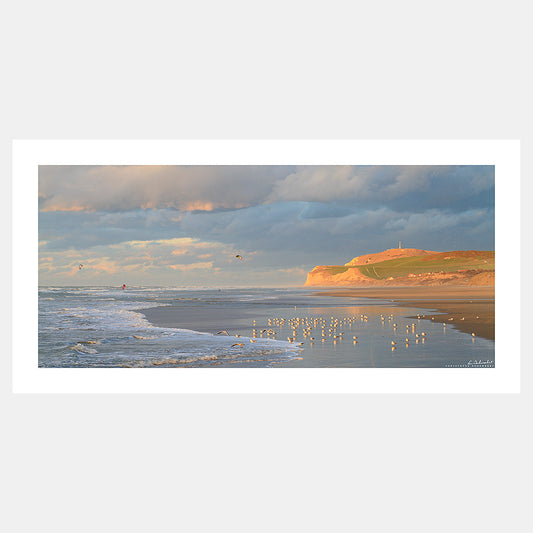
(29, 154)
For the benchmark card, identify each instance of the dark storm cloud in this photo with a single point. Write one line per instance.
(71, 229)
(291, 226)
(282, 227)
(407, 188)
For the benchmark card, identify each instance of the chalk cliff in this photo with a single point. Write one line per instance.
(408, 266)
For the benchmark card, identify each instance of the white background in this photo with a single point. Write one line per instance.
(296, 70)
(28, 155)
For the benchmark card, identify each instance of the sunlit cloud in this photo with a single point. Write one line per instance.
(186, 188)
(155, 258)
(103, 265)
(192, 266)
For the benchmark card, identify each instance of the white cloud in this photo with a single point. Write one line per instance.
(193, 266)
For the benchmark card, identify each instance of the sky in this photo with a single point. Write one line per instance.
(184, 225)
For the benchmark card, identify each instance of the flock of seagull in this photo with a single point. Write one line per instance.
(319, 330)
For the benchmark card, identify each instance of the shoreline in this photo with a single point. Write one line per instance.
(469, 309)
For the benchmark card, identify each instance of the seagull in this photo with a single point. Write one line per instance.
(237, 344)
(252, 340)
(223, 332)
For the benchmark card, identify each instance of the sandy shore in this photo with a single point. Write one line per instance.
(469, 309)
(209, 320)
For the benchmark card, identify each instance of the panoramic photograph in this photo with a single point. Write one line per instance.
(266, 266)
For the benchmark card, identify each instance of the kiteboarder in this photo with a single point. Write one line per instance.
(123, 286)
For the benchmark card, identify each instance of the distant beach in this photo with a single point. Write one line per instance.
(469, 308)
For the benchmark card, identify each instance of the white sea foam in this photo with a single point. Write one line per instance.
(83, 349)
(124, 337)
(186, 360)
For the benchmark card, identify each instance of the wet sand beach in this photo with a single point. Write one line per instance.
(335, 328)
(469, 309)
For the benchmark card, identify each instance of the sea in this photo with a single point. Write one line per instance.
(180, 327)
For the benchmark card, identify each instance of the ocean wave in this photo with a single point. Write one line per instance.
(83, 349)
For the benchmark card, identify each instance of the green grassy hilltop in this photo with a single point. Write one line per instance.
(440, 262)
(430, 267)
